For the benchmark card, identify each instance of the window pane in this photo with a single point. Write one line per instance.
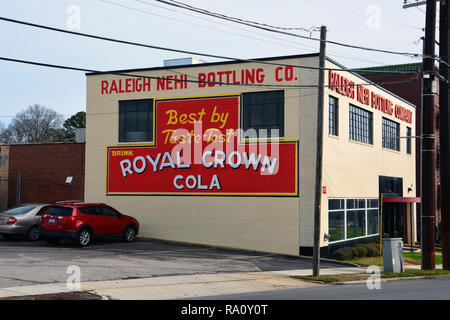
(336, 225)
(20, 210)
(360, 125)
(391, 134)
(60, 211)
(263, 110)
(333, 116)
(350, 203)
(108, 212)
(372, 222)
(360, 203)
(136, 120)
(408, 140)
(355, 223)
(335, 204)
(372, 203)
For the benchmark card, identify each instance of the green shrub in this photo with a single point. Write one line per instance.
(372, 251)
(351, 252)
(340, 254)
(362, 251)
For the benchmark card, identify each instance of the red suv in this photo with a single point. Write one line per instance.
(85, 221)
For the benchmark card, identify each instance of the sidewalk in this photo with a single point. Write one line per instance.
(187, 286)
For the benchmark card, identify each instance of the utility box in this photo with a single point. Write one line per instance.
(393, 254)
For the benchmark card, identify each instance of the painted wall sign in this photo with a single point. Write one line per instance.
(199, 150)
(346, 87)
(205, 80)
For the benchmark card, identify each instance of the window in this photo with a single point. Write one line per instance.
(352, 218)
(20, 210)
(391, 134)
(44, 210)
(408, 140)
(90, 210)
(136, 120)
(336, 219)
(60, 211)
(109, 212)
(333, 116)
(361, 125)
(264, 111)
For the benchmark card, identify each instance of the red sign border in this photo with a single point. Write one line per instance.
(153, 144)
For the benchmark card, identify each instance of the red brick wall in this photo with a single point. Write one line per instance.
(45, 168)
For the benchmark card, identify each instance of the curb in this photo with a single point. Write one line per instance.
(389, 279)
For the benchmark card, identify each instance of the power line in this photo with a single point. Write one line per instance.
(121, 73)
(311, 29)
(298, 45)
(203, 26)
(361, 15)
(237, 20)
(185, 51)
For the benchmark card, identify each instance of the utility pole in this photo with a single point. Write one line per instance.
(318, 191)
(428, 142)
(444, 133)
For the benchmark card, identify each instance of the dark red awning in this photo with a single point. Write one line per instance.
(401, 199)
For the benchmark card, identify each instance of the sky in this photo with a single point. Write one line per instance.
(382, 24)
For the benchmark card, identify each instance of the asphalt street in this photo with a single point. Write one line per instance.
(24, 263)
(418, 289)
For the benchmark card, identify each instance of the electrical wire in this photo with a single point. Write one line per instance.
(186, 51)
(237, 20)
(331, 53)
(121, 73)
(361, 15)
(298, 46)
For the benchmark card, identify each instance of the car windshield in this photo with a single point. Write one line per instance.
(60, 211)
(20, 210)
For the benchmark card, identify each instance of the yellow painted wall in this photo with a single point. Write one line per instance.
(257, 223)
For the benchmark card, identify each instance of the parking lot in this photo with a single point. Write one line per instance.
(25, 263)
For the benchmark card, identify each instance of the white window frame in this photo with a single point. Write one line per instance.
(366, 208)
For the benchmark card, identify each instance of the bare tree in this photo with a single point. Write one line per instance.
(33, 125)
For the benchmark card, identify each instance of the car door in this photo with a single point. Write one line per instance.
(40, 213)
(113, 219)
(94, 218)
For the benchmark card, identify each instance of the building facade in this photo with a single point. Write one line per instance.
(39, 173)
(409, 87)
(224, 154)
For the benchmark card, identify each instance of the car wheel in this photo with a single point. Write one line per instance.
(33, 233)
(84, 237)
(129, 234)
(53, 240)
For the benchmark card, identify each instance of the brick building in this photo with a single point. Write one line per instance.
(41, 172)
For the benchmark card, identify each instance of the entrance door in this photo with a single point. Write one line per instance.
(393, 220)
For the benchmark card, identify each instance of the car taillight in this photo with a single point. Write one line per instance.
(11, 220)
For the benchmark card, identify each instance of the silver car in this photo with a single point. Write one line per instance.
(23, 220)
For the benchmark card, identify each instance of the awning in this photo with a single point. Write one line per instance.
(401, 199)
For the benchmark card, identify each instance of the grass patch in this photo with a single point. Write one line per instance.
(368, 261)
(409, 258)
(416, 257)
(336, 278)
(415, 273)
(333, 278)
